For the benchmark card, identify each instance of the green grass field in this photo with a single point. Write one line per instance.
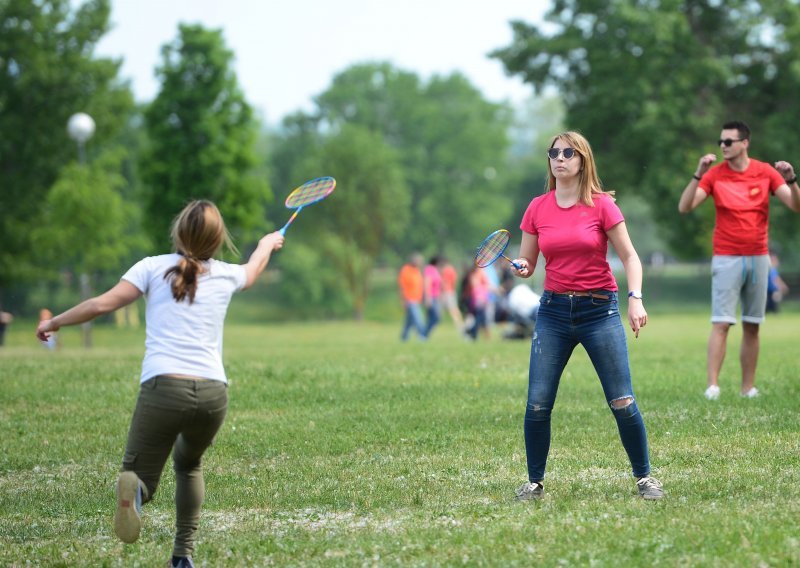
(344, 447)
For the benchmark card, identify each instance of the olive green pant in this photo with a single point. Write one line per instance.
(182, 416)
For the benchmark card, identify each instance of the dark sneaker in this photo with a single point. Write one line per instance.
(127, 519)
(183, 562)
(530, 490)
(650, 488)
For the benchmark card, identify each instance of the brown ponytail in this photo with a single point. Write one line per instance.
(184, 278)
(198, 232)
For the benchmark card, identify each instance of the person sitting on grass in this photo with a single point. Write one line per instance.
(183, 396)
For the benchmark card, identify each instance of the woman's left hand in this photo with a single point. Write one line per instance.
(637, 316)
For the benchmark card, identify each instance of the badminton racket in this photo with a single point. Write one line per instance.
(493, 248)
(308, 194)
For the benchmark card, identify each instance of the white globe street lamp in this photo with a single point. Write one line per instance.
(80, 128)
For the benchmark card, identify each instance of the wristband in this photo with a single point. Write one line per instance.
(791, 181)
(695, 176)
(635, 294)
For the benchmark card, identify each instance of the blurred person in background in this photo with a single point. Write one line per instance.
(777, 289)
(432, 293)
(52, 339)
(5, 320)
(450, 293)
(411, 285)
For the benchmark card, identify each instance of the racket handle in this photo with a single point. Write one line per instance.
(514, 264)
(289, 222)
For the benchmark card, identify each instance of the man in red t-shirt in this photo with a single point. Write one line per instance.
(740, 187)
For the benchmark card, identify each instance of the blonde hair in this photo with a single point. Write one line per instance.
(198, 233)
(589, 182)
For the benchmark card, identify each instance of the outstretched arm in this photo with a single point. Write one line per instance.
(260, 258)
(121, 295)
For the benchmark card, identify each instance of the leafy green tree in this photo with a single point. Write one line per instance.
(370, 210)
(202, 138)
(47, 73)
(650, 83)
(439, 145)
(347, 232)
(451, 142)
(85, 225)
(535, 122)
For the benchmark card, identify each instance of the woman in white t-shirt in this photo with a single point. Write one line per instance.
(183, 395)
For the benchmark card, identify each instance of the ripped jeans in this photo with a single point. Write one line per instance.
(564, 322)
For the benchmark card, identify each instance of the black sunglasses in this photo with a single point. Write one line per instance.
(553, 153)
(727, 141)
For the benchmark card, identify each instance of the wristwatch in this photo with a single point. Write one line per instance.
(635, 294)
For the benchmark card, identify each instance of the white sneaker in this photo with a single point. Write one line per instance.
(752, 393)
(530, 490)
(650, 488)
(712, 392)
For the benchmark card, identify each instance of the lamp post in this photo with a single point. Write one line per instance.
(80, 128)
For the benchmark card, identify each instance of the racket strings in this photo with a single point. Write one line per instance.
(310, 192)
(492, 248)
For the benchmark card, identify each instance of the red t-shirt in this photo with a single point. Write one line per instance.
(742, 203)
(573, 241)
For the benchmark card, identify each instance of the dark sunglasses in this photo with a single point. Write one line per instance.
(727, 141)
(553, 153)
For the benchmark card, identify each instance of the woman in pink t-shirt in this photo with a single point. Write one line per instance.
(432, 280)
(571, 225)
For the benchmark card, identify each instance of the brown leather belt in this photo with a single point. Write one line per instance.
(583, 294)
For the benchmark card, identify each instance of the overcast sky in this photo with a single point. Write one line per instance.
(287, 52)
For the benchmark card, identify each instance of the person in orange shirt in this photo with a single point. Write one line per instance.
(449, 300)
(411, 290)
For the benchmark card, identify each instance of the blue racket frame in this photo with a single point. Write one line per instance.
(499, 253)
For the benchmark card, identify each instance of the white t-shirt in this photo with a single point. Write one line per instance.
(184, 338)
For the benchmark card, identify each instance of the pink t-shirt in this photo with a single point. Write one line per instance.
(742, 203)
(433, 282)
(573, 241)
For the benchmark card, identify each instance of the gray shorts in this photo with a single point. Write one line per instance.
(735, 278)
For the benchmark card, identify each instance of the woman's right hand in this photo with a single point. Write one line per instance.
(273, 241)
(524, 270)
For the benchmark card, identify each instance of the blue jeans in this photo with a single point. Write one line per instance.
(434, 316)
(413, 320)
(562, 323)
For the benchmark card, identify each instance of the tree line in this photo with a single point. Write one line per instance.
(423, 165)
